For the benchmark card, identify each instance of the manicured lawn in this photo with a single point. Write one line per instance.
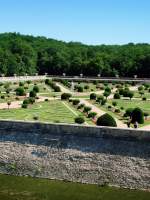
(88, 120)
(146, 94)
(12, 97)
(52, 111)
(24, 188)
(144, 105)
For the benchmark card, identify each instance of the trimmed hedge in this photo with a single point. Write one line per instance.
(79, 120)
(137, 116)
(65, 96)
(106, 120)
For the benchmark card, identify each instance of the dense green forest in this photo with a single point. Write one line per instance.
(20, 54)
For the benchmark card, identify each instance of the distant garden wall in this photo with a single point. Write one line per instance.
(86, 154)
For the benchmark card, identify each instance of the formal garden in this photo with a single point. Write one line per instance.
(81, 102)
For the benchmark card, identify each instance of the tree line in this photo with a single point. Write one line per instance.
(21, 54)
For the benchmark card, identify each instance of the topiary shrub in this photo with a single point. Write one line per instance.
(26, 101)
(128, 112)
(2, 97)
(103, 102)
(95, 82)
(65, 96)
(24, 106)
(108, 89)
(79, 120)
(36, 118)
(32, 94)
(130, 94)
(28, 82)
(93, 96)
(20, 91)
(36, 89)
(31, 100)
(106, 120)
(81, 106)
(87, 109)
(109, 107)
(117, 110)
(21, 84)
(92, 115)
(100, 99)
(106, 94)
(76, 102)
(114, 103)
(137, 116)
(47, 81)
(86, 87)
(144, 98)
(80, 89)
(57, 89)
(140, 88)
(116, 95)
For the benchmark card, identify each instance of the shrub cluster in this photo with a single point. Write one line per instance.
(65, 96)
(106, 120)
(52, 85)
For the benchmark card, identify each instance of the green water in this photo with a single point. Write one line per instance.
(23, 188)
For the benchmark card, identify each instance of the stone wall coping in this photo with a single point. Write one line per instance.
(75, 130)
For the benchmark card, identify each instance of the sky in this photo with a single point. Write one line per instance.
(86, 21)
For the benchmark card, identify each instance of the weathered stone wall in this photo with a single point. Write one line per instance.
(75, 153)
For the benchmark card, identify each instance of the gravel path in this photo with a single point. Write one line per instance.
(63, 89)
(100, 112)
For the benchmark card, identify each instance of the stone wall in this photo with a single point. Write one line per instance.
(119, 157)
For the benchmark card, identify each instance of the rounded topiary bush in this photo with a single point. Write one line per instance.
(93, 96)
(31, 100)
(24, 106)
(35, 118)
(32, 93)
(106, 120)
(36, 89)
(20, 91)
(114, 103)
(76, 102)
(137, 116)
(144, 98)
(2, 97)
(92, 115)
(21, 84)
(57, 88)
(25, 101)
(116, 95)
(103, 102)
(65, 96)
(80, 89)
(79, 120)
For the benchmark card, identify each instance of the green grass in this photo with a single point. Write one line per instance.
(52, 111)
(12, 97)
(24, 188)
(146, 94)
(144, 105)
(88, 120)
